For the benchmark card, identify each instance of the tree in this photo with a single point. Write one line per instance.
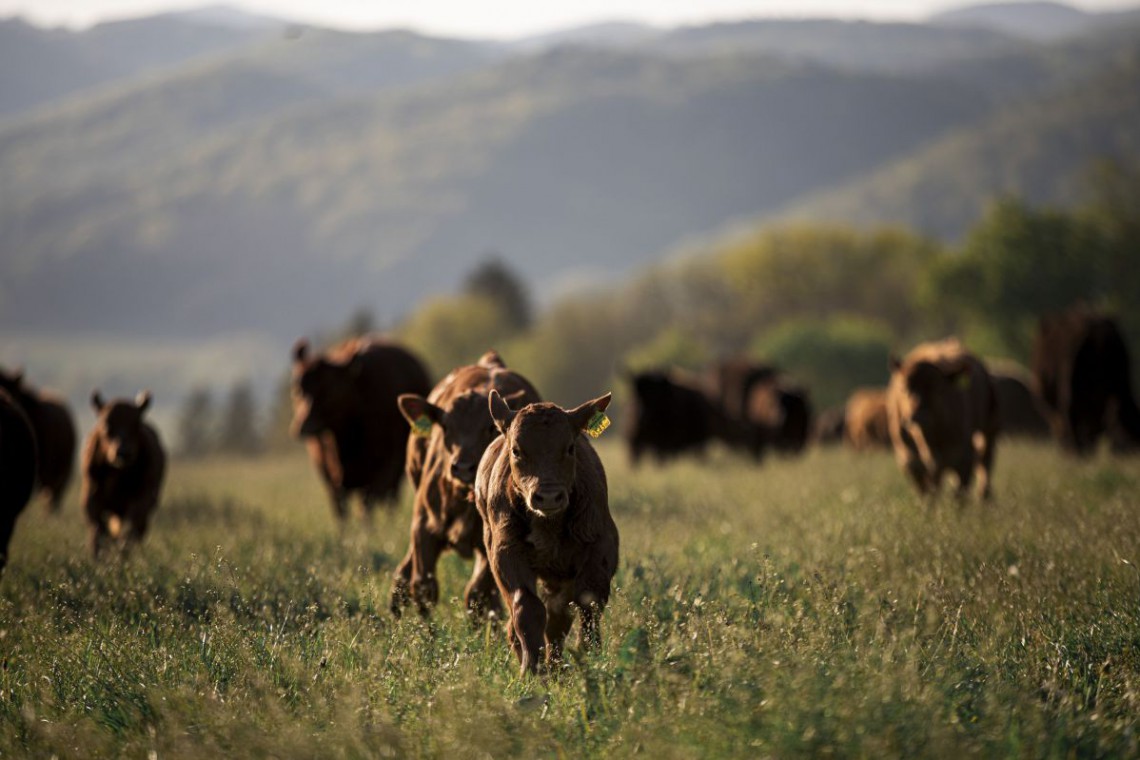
(239, 434)
(196, 423)
(494, 280)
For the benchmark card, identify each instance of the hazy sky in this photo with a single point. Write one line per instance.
(499, 18)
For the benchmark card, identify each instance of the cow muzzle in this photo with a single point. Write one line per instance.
(549, 501)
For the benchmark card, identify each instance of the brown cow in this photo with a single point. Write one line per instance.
(942, 412)
(866, 426)
(1083, 373)
(541, 491)
(17, 468)
(441, 466)
(345, 409)
(55, 435)
(729, 382)
(123, 467)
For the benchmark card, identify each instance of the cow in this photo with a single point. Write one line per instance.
(829, 426)
(54, 428)
(780, 415)
(942, 415)
(1021, 410)
(670, 417)
(123, 468)
(551, 542)
(1083, 374)
(17, 468)
(866, 426)
(729, 382)
(452, 428)
(344, 407)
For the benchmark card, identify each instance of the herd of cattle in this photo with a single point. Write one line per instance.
(511, 482)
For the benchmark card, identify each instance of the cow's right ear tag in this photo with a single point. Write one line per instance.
(422, 426)
(597, 424)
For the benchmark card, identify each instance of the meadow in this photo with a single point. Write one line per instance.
(804, 607)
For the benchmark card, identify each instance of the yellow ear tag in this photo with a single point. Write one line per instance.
(422, 426)
(597, 425)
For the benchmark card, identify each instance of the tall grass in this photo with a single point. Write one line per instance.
(803, 607)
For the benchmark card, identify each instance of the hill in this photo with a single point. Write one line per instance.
(571, 163)
(38, 66)
(1041, 21)
(1039, 150)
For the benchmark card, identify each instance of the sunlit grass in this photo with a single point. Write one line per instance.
(803, 607)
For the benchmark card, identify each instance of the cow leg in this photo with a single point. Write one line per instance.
(53, 500)
(401, 589)
(7, 525)
(426, 548)
(481, 596)
(985, 443)
(918, 474)
(338, 498)
(559, 619)
(527, 625)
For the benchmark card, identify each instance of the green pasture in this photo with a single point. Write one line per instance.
(803, 607)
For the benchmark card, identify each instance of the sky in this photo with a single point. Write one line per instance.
(499, 18)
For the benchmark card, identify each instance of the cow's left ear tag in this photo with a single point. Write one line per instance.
(597, 424)
(422, 426)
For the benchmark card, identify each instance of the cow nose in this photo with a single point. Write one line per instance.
(549, 499)
(463, 472)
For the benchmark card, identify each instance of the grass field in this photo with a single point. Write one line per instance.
(802, 608)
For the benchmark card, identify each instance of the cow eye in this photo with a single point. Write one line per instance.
(570, 450)
(516, 452)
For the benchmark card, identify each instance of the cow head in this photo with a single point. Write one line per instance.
(12, 381)
(931, 401)
(466, 426)
(119, 427)
(323, 391)
(542, 441)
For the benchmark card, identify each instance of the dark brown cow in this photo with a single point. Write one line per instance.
(17, 468)
(729, 383)
(942, 412)
(541, 491)
(123, 467)
(55, 435)
(780, 415)
(1083, 374)
(1022, 413)
(345, 409)
(441, 467)
(670, 417)
(866, 425)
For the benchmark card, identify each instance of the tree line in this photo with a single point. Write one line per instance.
(826, 302)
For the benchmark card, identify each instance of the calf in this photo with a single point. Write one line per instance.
(866, 422)
(942, 413)
(344, 406)
(451, 429)
(123, 467)
(17, 468)
(551, 542)
(54, 429)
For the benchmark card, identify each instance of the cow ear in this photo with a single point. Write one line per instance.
(893, 363)
(97, 401)
(502, 414)
(590, 417)
(142, 401)
(301, 351)
(512, 399)
(420, 413)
